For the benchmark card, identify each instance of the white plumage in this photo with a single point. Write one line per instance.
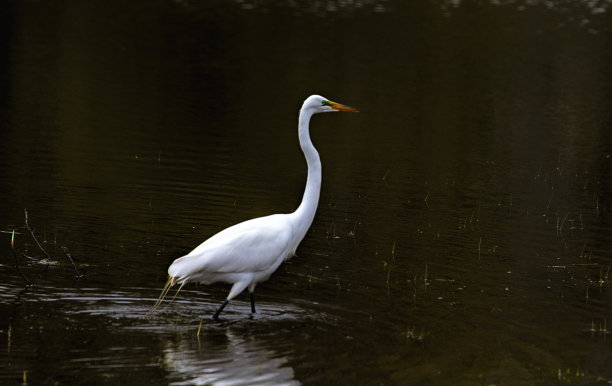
(249, 252)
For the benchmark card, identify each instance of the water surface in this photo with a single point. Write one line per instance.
(463, 231)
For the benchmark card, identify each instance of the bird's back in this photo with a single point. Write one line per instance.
(251, 247)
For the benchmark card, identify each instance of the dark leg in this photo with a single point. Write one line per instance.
(216, 315)
(252, 303)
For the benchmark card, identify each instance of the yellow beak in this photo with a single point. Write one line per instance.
(339, 107)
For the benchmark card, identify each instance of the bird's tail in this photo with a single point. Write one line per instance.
(169, 284)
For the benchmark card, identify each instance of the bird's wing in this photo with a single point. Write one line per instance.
(250, 246)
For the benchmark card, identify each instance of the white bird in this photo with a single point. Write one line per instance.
(249, 252)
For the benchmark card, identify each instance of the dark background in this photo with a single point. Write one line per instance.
(463, 233)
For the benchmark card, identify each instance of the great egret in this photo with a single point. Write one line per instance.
(249, 252)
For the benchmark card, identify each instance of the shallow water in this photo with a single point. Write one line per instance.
(463, 231)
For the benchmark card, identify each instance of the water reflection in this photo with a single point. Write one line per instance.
(231, 355)
(235, 351)
(239, 350)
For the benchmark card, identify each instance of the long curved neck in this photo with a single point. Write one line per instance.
(306, 211)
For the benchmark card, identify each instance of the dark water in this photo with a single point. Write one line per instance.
(464, 229)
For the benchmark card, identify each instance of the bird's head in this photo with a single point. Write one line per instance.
(318, 104)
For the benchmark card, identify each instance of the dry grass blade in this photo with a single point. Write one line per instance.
(28, 282)
(199, 329)
(177, 292)
(169, 284)
(78, 274)
(34, 236)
